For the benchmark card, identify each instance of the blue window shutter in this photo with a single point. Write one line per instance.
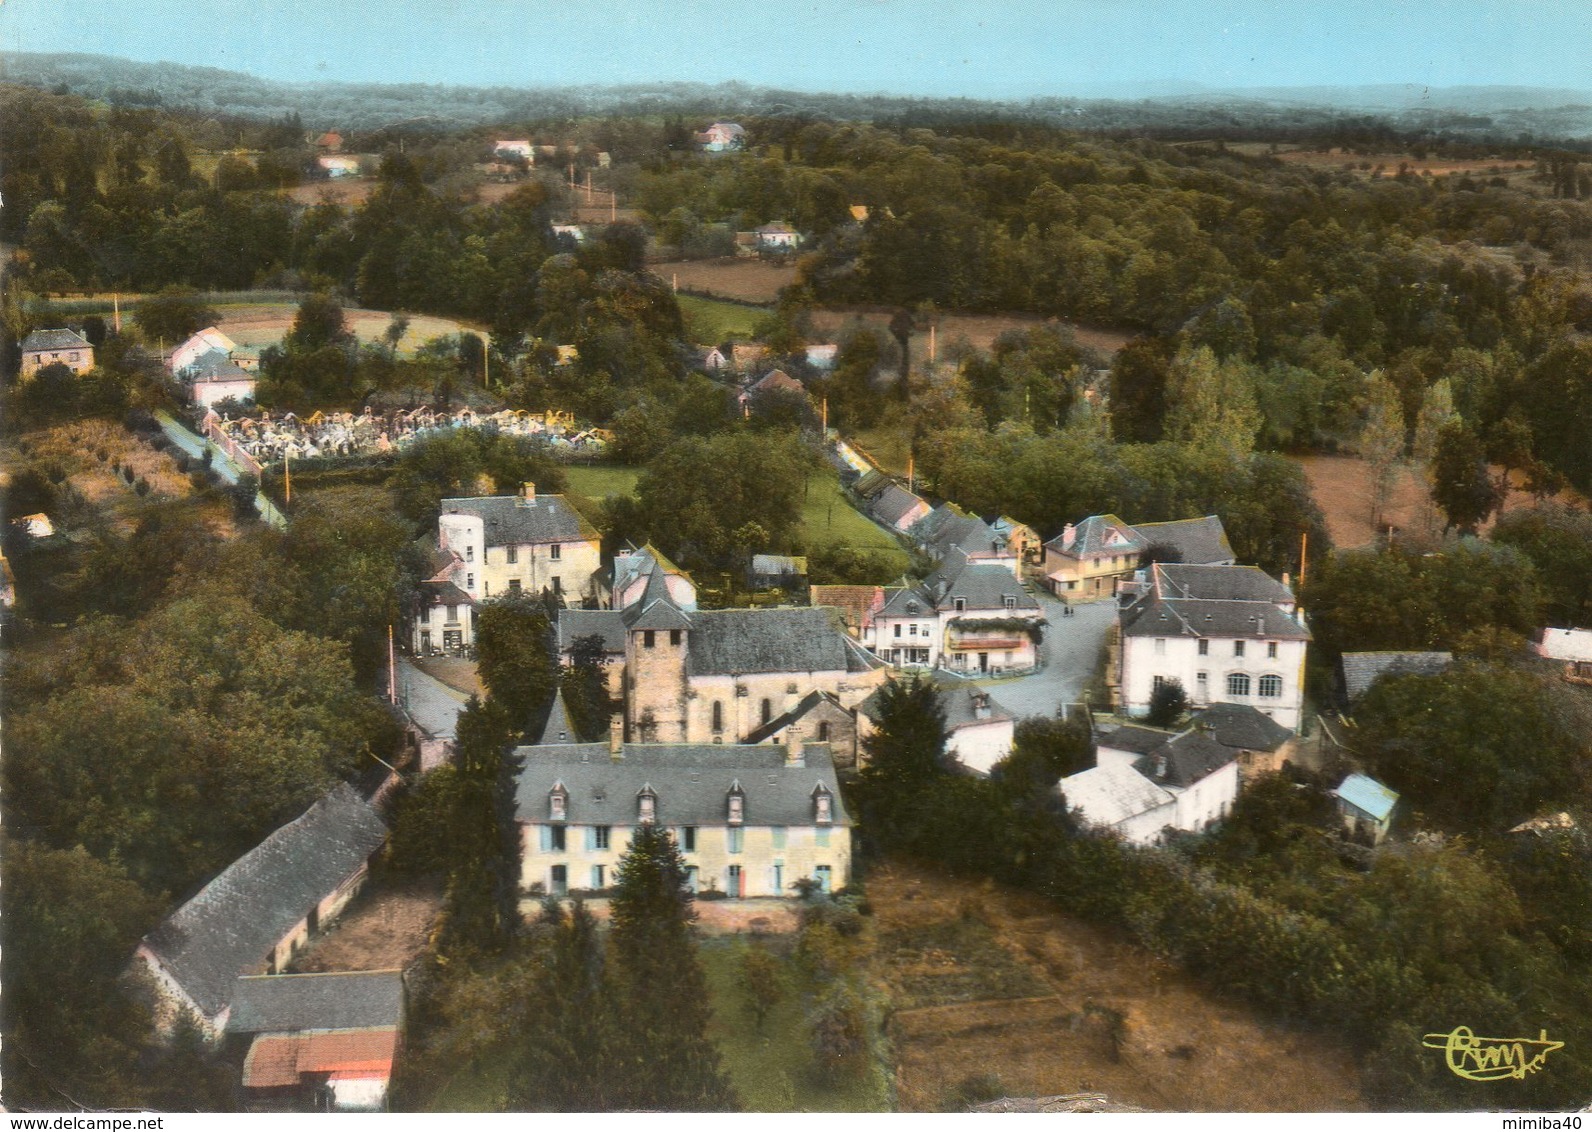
(547, 838)
(591, 837)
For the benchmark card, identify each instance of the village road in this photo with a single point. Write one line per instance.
(433, 705)
(1071, 651)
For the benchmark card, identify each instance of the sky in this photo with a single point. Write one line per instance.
(994, 48)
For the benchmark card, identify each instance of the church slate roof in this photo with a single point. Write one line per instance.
(741, 641)
(511, 520)
(341, 1000)
(236, 919)
(692, 782)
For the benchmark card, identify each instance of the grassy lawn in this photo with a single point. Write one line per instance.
(599, 480)
(711, 321)
(889, 446)
(828, 519)
(772, 1071)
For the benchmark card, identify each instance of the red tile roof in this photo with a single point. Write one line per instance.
(277, 1060)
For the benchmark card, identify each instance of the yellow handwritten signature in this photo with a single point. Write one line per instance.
(1491, 1059)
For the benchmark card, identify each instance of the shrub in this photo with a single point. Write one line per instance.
(143, 486)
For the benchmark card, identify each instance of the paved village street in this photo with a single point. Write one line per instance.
(1070, 651)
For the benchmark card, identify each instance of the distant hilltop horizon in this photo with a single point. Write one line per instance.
(1546, 112)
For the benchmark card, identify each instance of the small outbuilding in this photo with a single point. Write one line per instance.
(1367, 806)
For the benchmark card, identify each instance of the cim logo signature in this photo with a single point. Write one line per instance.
(1491, 1059)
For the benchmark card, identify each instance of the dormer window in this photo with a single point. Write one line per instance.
(823, 805)
(737, 805)
(961, 604)
(912, 607)
(558, 802)
(646, 806)
(1011, 602)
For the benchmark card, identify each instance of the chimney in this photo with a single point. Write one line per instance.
(1285, 580)
(796, 749)
(527, 494)
(1160, 766)
(1068, 534)
(616, 737)
(980, 705)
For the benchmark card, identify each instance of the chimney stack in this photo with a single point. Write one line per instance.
(616, 737)
(527, 494)
(796, 749)
(1068, 534)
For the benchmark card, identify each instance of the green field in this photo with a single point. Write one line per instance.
(773, 1070)
(711, 321)
(598, 480)
(829, 519)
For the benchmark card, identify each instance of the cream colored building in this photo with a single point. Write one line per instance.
(521, 544)
(690, 675)
(56, 347)
(750, 821)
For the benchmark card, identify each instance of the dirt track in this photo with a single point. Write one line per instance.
(1180, 1049)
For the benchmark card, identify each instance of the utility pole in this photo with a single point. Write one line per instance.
(392, 668)
(287, 479)
(116, 305)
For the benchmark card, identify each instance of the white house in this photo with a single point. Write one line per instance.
(1228, 634)
(215, 378)
(207, 341)
(980, 729)
(967, 617)
(1573, 647)
(515, 147)
(750, 821)
(1120, 799)
(778, 236)
(339, 165)
(520, 544)
(1146, 782)
(722, 136)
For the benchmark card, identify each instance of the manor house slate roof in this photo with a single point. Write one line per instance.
(1362, 669)
(692, 782)
(60, 339)
(236, 919)
(341, 1000)
(511, 520)
(1196, 540)
(1211, 601)
(1218, 583)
